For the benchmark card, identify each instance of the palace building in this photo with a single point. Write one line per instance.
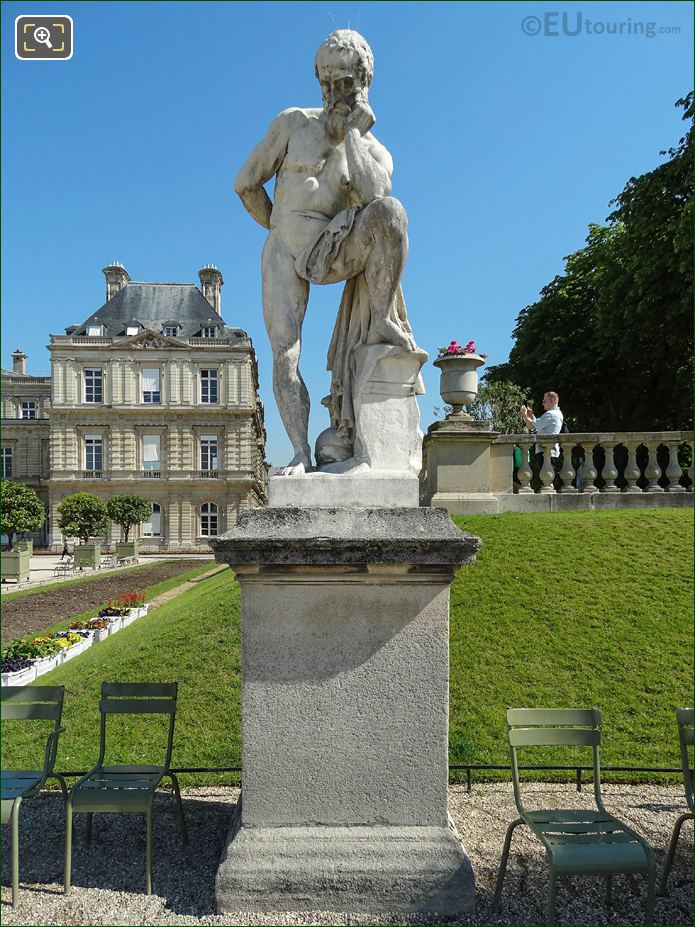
(152, 395)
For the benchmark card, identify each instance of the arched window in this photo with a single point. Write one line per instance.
(153, 527)
(208, 520)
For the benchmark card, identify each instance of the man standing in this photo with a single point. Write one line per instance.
(550, 423)
(332, 219)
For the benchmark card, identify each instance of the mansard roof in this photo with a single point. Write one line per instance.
(155, 305)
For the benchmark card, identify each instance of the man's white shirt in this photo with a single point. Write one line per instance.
(549, 423)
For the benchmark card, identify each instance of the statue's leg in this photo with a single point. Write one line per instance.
(377, 245)
(285, 297)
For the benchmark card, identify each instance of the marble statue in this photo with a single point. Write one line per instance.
(333, 219)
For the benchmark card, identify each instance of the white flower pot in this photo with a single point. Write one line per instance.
(75, 650)
(100, 634)
(129, 619)
(115, 624)
(46, 664)
(20, 678)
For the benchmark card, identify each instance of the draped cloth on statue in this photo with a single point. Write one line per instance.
(353, 324)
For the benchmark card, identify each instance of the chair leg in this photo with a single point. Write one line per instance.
(503, 862)
(68, 845)
(89, 826)
(179, 806)
(651, 885)
(671, 852)
(63, 786)
(609, 889)
(148, 852)
(552, 892)
(15, 851)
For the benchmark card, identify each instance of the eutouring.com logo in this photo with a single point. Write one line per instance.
(555, 24)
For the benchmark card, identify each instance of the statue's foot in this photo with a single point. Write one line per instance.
(300, 463)
(390, 333)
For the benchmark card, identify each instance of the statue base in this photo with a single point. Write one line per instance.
(367, 869)
(363, 488)
(345, 685)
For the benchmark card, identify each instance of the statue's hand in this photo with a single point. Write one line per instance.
(361, 118)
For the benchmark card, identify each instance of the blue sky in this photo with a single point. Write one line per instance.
(506, 146)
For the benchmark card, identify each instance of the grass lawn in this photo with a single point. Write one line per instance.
(568, 609)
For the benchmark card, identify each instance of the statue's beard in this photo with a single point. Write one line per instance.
(337, 117)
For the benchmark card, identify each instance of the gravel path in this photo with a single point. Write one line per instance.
(108, 876)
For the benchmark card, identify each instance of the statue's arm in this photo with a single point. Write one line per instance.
(262, 164)
(369, 164)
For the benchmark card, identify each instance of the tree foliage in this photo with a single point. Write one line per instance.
(82, 516)
(22, 510)
(127, 511)
(498, 403)
(613, 333)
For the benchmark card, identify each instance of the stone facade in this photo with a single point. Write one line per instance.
(26, 401)
(155, 396)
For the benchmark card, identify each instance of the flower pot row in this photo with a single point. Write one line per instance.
(23, 662)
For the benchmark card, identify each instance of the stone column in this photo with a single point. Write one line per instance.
(345, 656)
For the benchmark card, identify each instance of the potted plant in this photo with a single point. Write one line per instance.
(113, 615)
(84, 516)
(47, 654)
(22, 511)
(76, 644)
(131, 605)
(127, 511)
(17, 671)
(458, 384)
(100, 629)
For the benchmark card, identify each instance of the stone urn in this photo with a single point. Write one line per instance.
(458, 385)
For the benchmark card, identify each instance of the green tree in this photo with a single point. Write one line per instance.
(22, 510)
(498, 403)
(127, 511)
(82, 516)
(613, 333)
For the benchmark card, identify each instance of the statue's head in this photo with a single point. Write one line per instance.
(344, 66)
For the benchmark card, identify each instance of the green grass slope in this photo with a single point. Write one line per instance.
(576, 609)
(586, 609)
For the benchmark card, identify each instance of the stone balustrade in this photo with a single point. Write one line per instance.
(468, 469)
(606, 462)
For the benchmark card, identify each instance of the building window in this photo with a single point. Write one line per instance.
(208, 452)
(28, 410)
(93, 452)
(6, 462)
(93, 385)
(208, 386)
(208, 520)
(151, 452)
(94, 331)
(170, 330)
(150, 385)
(153, 527)
(207, 331)
(132, 330)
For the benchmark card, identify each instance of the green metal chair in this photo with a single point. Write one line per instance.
(576, 841)
(29, 703)
(684, 716)
(116, 789)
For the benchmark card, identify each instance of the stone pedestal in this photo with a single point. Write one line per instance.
(464, 470)
(345, 655)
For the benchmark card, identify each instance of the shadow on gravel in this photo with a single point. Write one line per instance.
(182, 875)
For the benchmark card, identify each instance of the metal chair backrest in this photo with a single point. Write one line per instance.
(549, 727)
(684, 717)
(35, 703)
(138, 698)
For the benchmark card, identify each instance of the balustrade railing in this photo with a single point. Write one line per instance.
(628, 462)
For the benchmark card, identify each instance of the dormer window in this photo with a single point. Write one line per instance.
(95, 331)
(132, 330)
(207, 331)
(170, 331)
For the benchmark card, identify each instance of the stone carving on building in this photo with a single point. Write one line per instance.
(333, 219)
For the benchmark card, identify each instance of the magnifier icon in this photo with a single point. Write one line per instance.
(43, 36)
